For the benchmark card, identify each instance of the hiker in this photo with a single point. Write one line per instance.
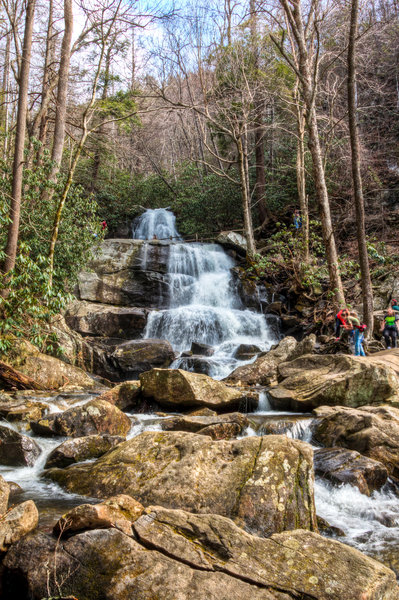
(359, 339)
(341, 322)
(389, 328)
(297, 220)
(103, 225)
(394, 304)
(353, 322)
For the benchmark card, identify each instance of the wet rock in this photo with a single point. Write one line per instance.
(125, 396)
(94, 319)
(201, 349)
(202, 412)
(118, 512)
(222, 427)
(20, 410)
(264, 484)
(372, 430)
(84, 448)
(181, 555)
(348, 466)
(197, 364)
(264, 370)
(17, 450)
(94, 417)
(137, 356)
(313, 380)
(17, 522)
(4, 495)
(182, 389)
(15, 490)
(246, 351)
(232, 240)
(327, 529)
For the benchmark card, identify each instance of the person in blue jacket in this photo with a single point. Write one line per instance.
(359, 339)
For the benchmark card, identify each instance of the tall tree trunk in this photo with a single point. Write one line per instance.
(367, 290)
(245, 193)
(15, 209)
(301, 174)
(5, 93)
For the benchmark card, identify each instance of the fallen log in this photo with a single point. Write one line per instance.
(11, 379)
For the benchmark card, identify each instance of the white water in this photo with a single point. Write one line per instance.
(159, 223)
(205, 308)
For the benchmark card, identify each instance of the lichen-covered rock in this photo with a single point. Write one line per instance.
(4, 495)
(183, 389)
(218, 427)
(264, 370)
(233, 240)
(125, 395)
(104, 320)
(119, 512)
(17, 522)
(372, 430)
(314, 380)
(22, 410)
(84, 448)
(264, 484)
(94, 417)
(16, 449)
(135, 356)
(348, 466)
(52, 373)
(178, 555)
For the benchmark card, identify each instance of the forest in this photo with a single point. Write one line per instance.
(199, 299)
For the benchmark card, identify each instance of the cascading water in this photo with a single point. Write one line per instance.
(204, 305)
(157, 223)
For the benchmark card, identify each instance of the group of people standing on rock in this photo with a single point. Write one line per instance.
(347, 320)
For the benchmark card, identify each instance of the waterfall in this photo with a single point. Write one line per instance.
(205, 307)
(157, 223)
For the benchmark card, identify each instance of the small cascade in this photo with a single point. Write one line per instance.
(157, 223)
(205, 308)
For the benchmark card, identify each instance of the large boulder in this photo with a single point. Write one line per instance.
(20, 409)
(94, 417)
(232, 240)
(119, 512)
(340, 465)
(4, 495)
(127, 273)
(93, 319)
(313, 380)
(17, 450)
(178, 555)
(135, 356)
(52, 373)
(18, 522)
(264, 370)
(373, 431)
(84, 448)
(264, 484)
(125, 395)
(217, 427)
(182, 389)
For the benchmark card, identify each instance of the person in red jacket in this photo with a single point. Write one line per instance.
(341, 322)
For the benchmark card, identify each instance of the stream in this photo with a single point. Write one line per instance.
(205, 307)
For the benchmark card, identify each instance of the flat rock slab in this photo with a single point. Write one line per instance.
(84, 448)
(264, 484)
(136, 356)
(217, 427)
(331, 379)
(348, 466)
(179, 388)
(178, 555)
(94, 319)
(371, 430)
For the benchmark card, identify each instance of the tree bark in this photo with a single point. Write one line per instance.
(301, 175)
(15, 209)
(5, 93)
(245, 194)
(367, 290)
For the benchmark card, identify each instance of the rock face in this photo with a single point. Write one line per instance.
(124, 396)
(52, 373)
(264, 484)
(183, 389)
(313, 380)
(178, 555)
(95, 417)
(136, 356)
(347, 466)
(263, 371)
(78, 449)
(119, 512)
(17, 450)
(126, 273)
(17, 523)
(4, 495)
(89, 318)
(222, 427)
(232, 240)
(372, 431)
(17, 409)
